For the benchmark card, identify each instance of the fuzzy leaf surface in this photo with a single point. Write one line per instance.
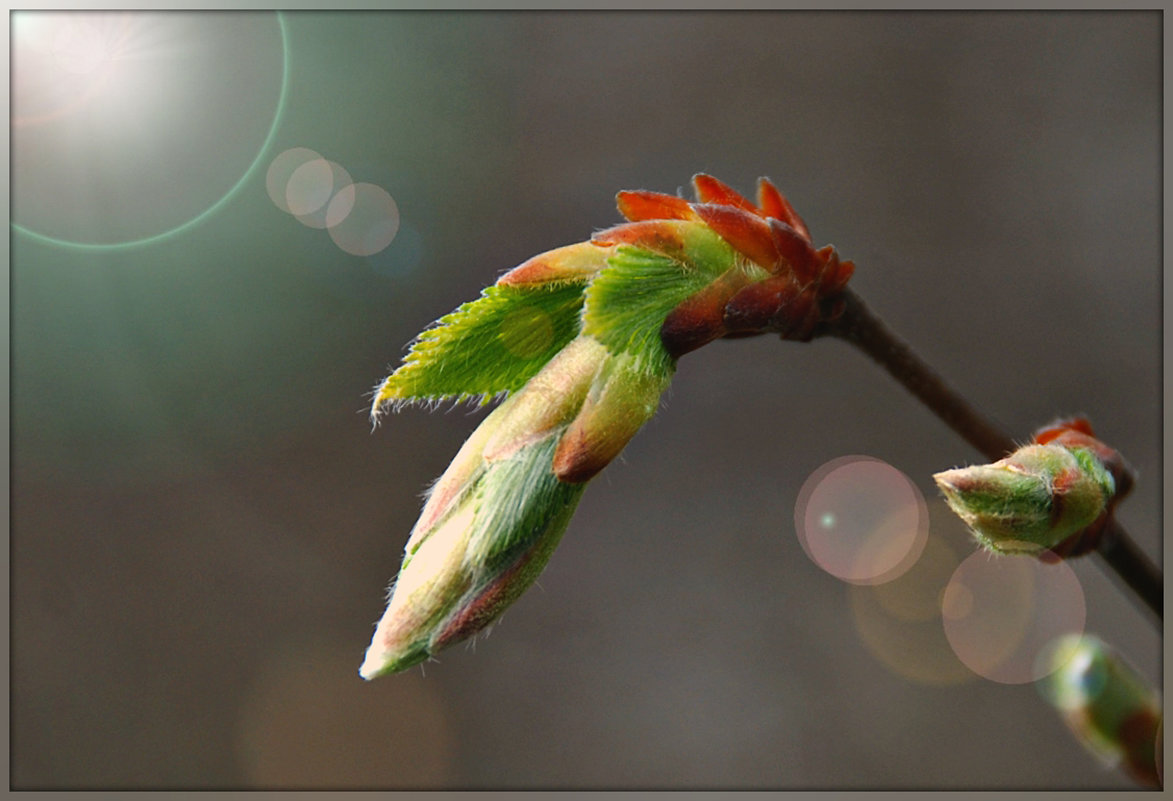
(521, 501)
(627, 302)
(487, 347)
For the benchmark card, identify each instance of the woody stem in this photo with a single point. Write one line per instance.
(862, 328)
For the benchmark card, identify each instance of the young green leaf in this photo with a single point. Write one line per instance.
(627, 302)
(487, 347)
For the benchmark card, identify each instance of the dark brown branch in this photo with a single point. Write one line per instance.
(862, 328)
(1132, 566)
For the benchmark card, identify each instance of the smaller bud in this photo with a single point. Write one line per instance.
(1107, 705)
(1030, 501)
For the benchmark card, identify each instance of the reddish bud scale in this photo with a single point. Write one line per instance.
(777, 304)
(773, 204)
(754, 307)
(639, 205)
(795, 250)
(1079, 425)
(661, 236)
(703, 317)
(769, 234)
(746, 232)
(836, 273)
(712, 190)
(1076, 432)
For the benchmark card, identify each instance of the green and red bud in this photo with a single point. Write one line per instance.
(494, 517)
(1107, 705)
(582, 340)
(1076, 432)
(548, 401)
(769, 236)
(1043, 496)
(1030, 501)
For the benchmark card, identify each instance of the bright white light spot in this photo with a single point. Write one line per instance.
(60, 60)
(132, 124)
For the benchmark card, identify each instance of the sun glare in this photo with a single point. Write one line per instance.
(119, 119)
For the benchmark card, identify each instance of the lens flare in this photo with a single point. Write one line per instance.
(362, 219)
(310, 189)
(861, 520)
(129, 128)
(81, 48)
(1004, 616)
(60, 60)
(281, 169)
(900, 622)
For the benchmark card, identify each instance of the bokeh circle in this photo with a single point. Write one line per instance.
(900, 621)
(362, 219)
(1005, 615)
(311, 188)
(861, 520)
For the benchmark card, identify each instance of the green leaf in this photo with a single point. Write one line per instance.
(487, 347)
(627, 302)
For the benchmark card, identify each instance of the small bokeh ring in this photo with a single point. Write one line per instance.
(861, 520)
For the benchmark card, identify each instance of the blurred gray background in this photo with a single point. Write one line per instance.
(203, 523)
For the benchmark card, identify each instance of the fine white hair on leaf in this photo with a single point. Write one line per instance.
(472, 402)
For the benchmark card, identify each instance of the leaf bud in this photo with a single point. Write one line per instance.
(1031, 500)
